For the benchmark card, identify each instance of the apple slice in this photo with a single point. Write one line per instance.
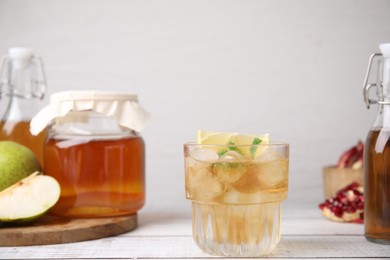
(29, 198)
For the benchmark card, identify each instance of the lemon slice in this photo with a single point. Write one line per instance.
(208, 137)
(252, 151)
(240, 139)
(235, 140)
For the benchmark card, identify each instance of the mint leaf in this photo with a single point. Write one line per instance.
(229, 165)
(222, 152)
(256, 141)
(231, 146)
(254, 146)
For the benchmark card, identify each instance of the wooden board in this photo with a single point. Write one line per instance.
(55, 230)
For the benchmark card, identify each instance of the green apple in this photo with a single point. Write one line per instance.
(29, 198)
(16, 162)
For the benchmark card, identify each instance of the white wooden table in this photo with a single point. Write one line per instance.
(305, 235)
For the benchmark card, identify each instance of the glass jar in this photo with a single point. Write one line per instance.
(95, 151)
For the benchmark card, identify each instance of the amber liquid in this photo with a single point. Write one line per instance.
(98, 178)
(20, 132)
(377, 186)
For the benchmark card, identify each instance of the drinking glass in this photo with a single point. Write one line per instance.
(236, 194)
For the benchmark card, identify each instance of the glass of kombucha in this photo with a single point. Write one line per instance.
(236, 199)
(98, 159)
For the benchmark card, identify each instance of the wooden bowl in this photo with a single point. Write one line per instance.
(335, 179)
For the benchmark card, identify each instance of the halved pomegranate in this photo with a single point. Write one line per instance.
(346, 206)
(352, 158)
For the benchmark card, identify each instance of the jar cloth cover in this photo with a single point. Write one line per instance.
(123, 107)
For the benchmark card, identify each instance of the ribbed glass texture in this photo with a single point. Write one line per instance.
(236, 230)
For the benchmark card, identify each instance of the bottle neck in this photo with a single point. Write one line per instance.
(384, 81)
(22, 76)
(383, 91)
(19, 91)
(19, 109)
(22, 81)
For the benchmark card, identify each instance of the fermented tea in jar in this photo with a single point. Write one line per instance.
(377, 154)
(95, 150)
(22, 89)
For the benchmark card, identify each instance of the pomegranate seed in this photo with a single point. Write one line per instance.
(347, 205)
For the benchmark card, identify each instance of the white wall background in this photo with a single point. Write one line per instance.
(293, 68)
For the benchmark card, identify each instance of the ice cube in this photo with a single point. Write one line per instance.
(272, 173)
(210, 189)
(193, 172)
(239, 198)
(204, 155)
(230, 156)
(268, 154)
(236, 197)
(248, 183)
(201, 184)
(229, 172)
(189, 162)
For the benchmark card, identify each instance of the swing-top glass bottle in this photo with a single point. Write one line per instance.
(377, 154)
(22, 89)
